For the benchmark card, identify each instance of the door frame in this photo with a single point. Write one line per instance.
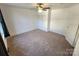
(3, 46)
(5, 29)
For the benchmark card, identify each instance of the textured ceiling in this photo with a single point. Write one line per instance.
(32, 5)
(61, 5)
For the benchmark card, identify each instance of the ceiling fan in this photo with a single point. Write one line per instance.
(42, 7)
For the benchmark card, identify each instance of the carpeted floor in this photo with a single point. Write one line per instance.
(39, 43)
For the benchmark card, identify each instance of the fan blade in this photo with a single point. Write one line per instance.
(46, 8)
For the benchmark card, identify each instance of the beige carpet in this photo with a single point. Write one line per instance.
(39, 43)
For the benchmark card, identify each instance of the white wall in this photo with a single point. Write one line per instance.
(42, 22)
(58, 21)
(73, 22)
(19, 20)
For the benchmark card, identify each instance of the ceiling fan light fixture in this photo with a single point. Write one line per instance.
(42, 7)
(40, 10)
